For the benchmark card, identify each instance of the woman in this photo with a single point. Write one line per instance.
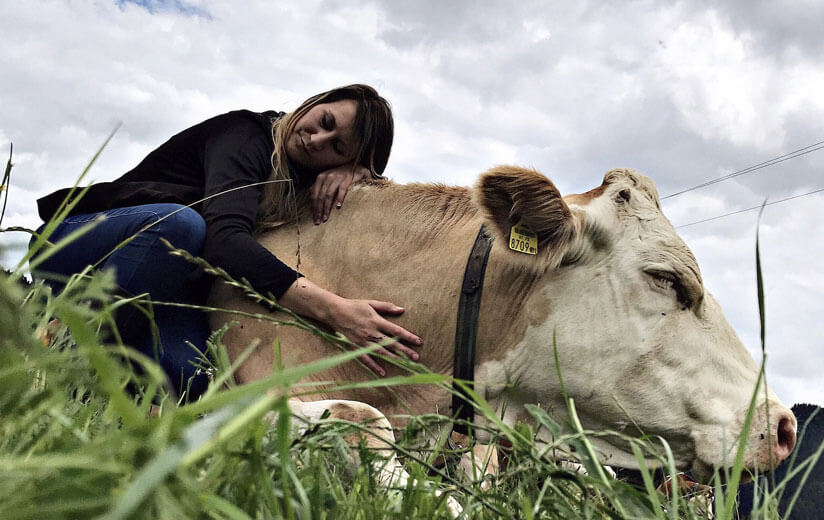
(238, 171)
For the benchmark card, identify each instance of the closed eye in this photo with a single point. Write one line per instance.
(664, 281)
(327, 122)
(668, 281)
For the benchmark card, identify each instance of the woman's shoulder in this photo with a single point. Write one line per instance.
(266, 116)
(231, 130)
(241, 118)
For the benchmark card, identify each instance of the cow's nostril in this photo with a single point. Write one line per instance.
(786, 437)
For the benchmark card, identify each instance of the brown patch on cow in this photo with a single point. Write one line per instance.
(351, 413)
(582, 199)
(372, 420)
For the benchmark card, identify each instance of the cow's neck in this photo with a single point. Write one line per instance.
(506, 314)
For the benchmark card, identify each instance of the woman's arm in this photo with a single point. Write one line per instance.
(230, 220)
(359, 320)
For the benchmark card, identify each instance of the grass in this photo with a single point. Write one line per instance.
(76, 442)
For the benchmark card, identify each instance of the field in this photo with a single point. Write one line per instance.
(78, 441)
(88, 429)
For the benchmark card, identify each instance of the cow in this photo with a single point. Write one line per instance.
(642, 346)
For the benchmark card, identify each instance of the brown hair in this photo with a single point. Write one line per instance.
(373, 125)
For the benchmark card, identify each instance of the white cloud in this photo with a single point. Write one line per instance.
(681, 92)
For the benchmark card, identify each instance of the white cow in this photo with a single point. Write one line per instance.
(643, 346)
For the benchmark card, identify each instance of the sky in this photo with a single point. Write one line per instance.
(685, 92)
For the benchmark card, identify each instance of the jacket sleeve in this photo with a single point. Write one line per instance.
(236, 161)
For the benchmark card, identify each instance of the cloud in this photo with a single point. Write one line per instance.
(684, 92)
(778, 28)
(156, 6)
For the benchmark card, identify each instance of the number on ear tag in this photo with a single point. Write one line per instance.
(523, 239)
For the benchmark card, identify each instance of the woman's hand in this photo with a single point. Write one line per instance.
(361, 321)
(330, 188)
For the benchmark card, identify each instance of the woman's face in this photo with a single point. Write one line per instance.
(324, 137)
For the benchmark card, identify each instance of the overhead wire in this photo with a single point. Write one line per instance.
(786, 157)
(781, 158)
(750, 209)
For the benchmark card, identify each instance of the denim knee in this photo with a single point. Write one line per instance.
(184, 229)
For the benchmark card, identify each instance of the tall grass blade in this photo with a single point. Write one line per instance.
(652, 493)
(168, 460)
(728, 502)
(5, 184)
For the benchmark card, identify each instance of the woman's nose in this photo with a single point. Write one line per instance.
(321, 138)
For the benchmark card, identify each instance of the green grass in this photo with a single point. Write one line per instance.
(76, 443)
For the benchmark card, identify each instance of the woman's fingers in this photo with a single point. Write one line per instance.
(392, 349)
(330, 189)
(316, 194)
(392, 346)
(385, 307)
(361, 321)
(342, 189)
(403, 349)
(403, 336)
(372, 365)
(321, 194)
(315, 188)
(335, 194)
(393, 329)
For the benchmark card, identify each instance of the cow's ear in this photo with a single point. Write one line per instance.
(508, 195)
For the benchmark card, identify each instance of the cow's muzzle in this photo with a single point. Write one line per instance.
(774, 436)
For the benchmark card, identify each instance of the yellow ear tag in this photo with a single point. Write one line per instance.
(523, 239)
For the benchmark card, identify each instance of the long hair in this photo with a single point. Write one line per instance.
(373, 125)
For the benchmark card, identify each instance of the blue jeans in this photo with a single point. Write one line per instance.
(144, 265)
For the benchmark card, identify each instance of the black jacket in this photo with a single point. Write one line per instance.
(224, 152)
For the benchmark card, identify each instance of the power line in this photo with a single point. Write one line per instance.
(786, 157)
(750, 209)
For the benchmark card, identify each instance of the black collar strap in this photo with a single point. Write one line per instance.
(466, 331)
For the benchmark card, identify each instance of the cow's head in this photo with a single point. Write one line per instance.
(643, 347)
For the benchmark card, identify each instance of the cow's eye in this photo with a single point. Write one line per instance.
(667, 281)
(663, 280)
